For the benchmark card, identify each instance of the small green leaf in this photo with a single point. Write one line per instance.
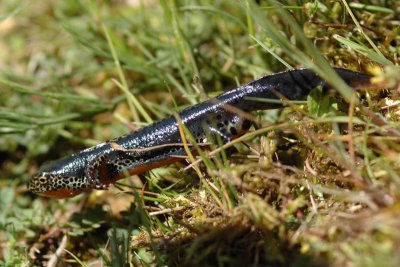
(318, 103)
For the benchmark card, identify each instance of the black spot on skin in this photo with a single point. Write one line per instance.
(233, 130)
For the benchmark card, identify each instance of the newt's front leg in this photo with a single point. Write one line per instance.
(100, 172)
(107, 168)
(96, 172)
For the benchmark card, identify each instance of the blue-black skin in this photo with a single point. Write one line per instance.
(98, 166)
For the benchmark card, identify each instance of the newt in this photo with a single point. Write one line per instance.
(159, 143)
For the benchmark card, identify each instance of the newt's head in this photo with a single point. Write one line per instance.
(56, 185)
(61, 179)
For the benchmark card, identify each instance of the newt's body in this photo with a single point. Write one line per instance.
(98, 166)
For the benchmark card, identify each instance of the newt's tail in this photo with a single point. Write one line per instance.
(354, 79)
(291, 85)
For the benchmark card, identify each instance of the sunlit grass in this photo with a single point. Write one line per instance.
(316, 184)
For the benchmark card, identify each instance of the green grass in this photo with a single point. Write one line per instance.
(316, 184)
